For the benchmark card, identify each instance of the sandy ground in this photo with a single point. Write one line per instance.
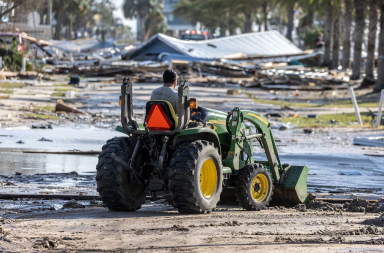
(159, 228)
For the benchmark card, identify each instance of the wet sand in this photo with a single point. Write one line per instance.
(159, 228)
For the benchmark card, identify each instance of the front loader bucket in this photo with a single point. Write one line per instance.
(293, 187)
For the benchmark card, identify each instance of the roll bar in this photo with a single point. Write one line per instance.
(131, 126)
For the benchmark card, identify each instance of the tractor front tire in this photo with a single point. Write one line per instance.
(113, 179)
(254, 187)
(196, 177)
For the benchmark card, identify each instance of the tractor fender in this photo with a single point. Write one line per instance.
(195, 134)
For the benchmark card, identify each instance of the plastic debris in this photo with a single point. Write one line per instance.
(43, 139)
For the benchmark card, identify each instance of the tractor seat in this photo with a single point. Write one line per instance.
(160, 116)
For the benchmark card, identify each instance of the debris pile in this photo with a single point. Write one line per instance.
(355, 205)
(320, 205)
(363, 205)
(46, 242)
(73, 204)
(370, 230)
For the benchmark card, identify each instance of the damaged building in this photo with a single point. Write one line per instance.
(249, 45)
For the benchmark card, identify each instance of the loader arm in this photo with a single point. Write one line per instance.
(290, 181)
(242, 142)
(263, 126)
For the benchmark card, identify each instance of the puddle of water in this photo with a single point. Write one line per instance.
(89, 138)
(29, 164)
(81, 138)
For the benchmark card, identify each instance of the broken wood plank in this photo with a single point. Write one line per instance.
(69, 152)
(62, 107)
(48, 196)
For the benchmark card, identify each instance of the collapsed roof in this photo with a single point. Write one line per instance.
(259, 44)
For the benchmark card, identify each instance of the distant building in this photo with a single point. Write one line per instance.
(176, 24)
(261, 44)
(36, 22)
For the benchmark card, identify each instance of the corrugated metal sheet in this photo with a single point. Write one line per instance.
(270, 43)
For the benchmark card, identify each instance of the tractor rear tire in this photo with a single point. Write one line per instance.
(254, 187)
(196, 177)
(113, 178)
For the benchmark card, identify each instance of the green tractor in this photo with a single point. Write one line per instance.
(191, 155)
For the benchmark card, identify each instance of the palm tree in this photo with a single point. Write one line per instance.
(336, 36)
(360, 6)
(347, 25)
(67, 10)
(264, 6)
(155, 22)
(328, 34)
(291, 17)
(137, 9)
(380, 64)
(373, 19)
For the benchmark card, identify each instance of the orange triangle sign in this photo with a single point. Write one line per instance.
(157, 119)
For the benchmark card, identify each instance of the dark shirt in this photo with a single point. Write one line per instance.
(319, 45)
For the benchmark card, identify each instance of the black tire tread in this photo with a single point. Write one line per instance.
(109, 176)
(181, 183)
(242, 188)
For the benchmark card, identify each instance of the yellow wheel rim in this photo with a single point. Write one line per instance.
(135, 189)
(260, 187)
(208, 178)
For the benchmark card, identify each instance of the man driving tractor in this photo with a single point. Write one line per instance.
(166, 92)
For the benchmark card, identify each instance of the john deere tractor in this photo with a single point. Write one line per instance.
(191, 154)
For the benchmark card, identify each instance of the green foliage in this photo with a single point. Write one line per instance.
(343, 119)
(45, 108)
(12, 57)
(62, 89)
(230, 13)
(5, 85)
(39, 116)
(58, 94)
(309, 36)
(150, 16)
(7, 91)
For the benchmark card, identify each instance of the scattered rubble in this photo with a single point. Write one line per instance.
(46, 242)
(363, 205)
(355, 205)
(73, 204)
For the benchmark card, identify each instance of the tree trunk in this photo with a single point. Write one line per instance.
(248, 23)
(70, 28)
(291, 16)
(59, 22)
(360, 6)
(380, 63)
(265, 14)
(140, 34)
(373, 19)
(148, 33)
(328, 35)
(222, 31)
(347, 25)
(336, 37)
